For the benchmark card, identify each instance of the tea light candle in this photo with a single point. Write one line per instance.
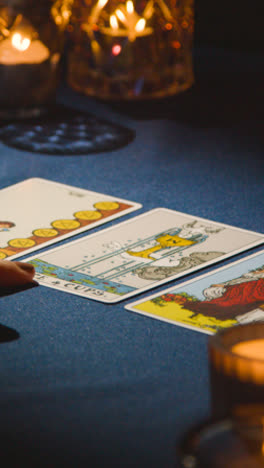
(31, 45)
(234, 437)
(236, 359)
(18, 50)
(25, 64)
(253, 349)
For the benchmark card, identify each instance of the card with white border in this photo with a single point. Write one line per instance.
(228, 296)
(134, 256)
(37, 212)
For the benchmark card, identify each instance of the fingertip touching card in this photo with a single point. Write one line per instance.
(139, 254)
(37, 212)
(229, 296)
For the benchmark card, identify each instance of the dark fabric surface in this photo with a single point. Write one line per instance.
(93, 385)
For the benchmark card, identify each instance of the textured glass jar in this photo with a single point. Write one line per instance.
(131, 49)
(31, 44)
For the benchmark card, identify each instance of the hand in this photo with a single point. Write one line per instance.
(15, 273)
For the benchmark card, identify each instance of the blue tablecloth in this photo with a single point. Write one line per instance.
(94, 385)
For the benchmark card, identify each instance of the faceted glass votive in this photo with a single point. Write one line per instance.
(236, 360)
(131, 49)
(31, 44)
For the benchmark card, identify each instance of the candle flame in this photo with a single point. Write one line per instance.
(19, 42)
(113, 22)
(61, 12)
(130, 6)
(140, 25)
(120, 15)
(126, 22)
(102, 3)
(148, 12)
(66, 14)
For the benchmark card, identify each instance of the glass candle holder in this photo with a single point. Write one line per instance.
(224, 444)
(131, 49)
(31, 44)
(236, 360)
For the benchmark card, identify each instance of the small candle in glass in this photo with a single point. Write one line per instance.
(131, 49)
(31, 44)
(236, 359)
(20, 49)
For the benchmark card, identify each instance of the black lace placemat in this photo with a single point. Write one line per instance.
(66, 132)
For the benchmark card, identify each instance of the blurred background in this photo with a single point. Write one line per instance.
(234, 24)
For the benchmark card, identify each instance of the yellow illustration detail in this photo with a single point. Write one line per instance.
(176, 313)
(56, 226)
(21, 243)
(65, 224)
(48, 232)
(106, 205)
(164, 241)
(88, 215)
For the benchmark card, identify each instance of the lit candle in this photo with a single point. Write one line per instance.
(250, 360)
(236, 357)
(29, 64)
(18, 49)
(131, 24)
(252, 349)
(25, 65)
(96, 11)
(136, 49)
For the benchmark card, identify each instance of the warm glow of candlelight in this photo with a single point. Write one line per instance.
(19, 49)
(130, 6)
(148, 12)
(66, 14)
(140, 26)
(102, 3)
(124, 22)
(116, 49)
(96, 10)
(61, 12)
(113, 22)
(249, 358)
(120, 15)
(253, 349)
(19, 42)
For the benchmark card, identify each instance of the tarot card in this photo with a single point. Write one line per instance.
(138, 254)
(38, 212)
(229, 296)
